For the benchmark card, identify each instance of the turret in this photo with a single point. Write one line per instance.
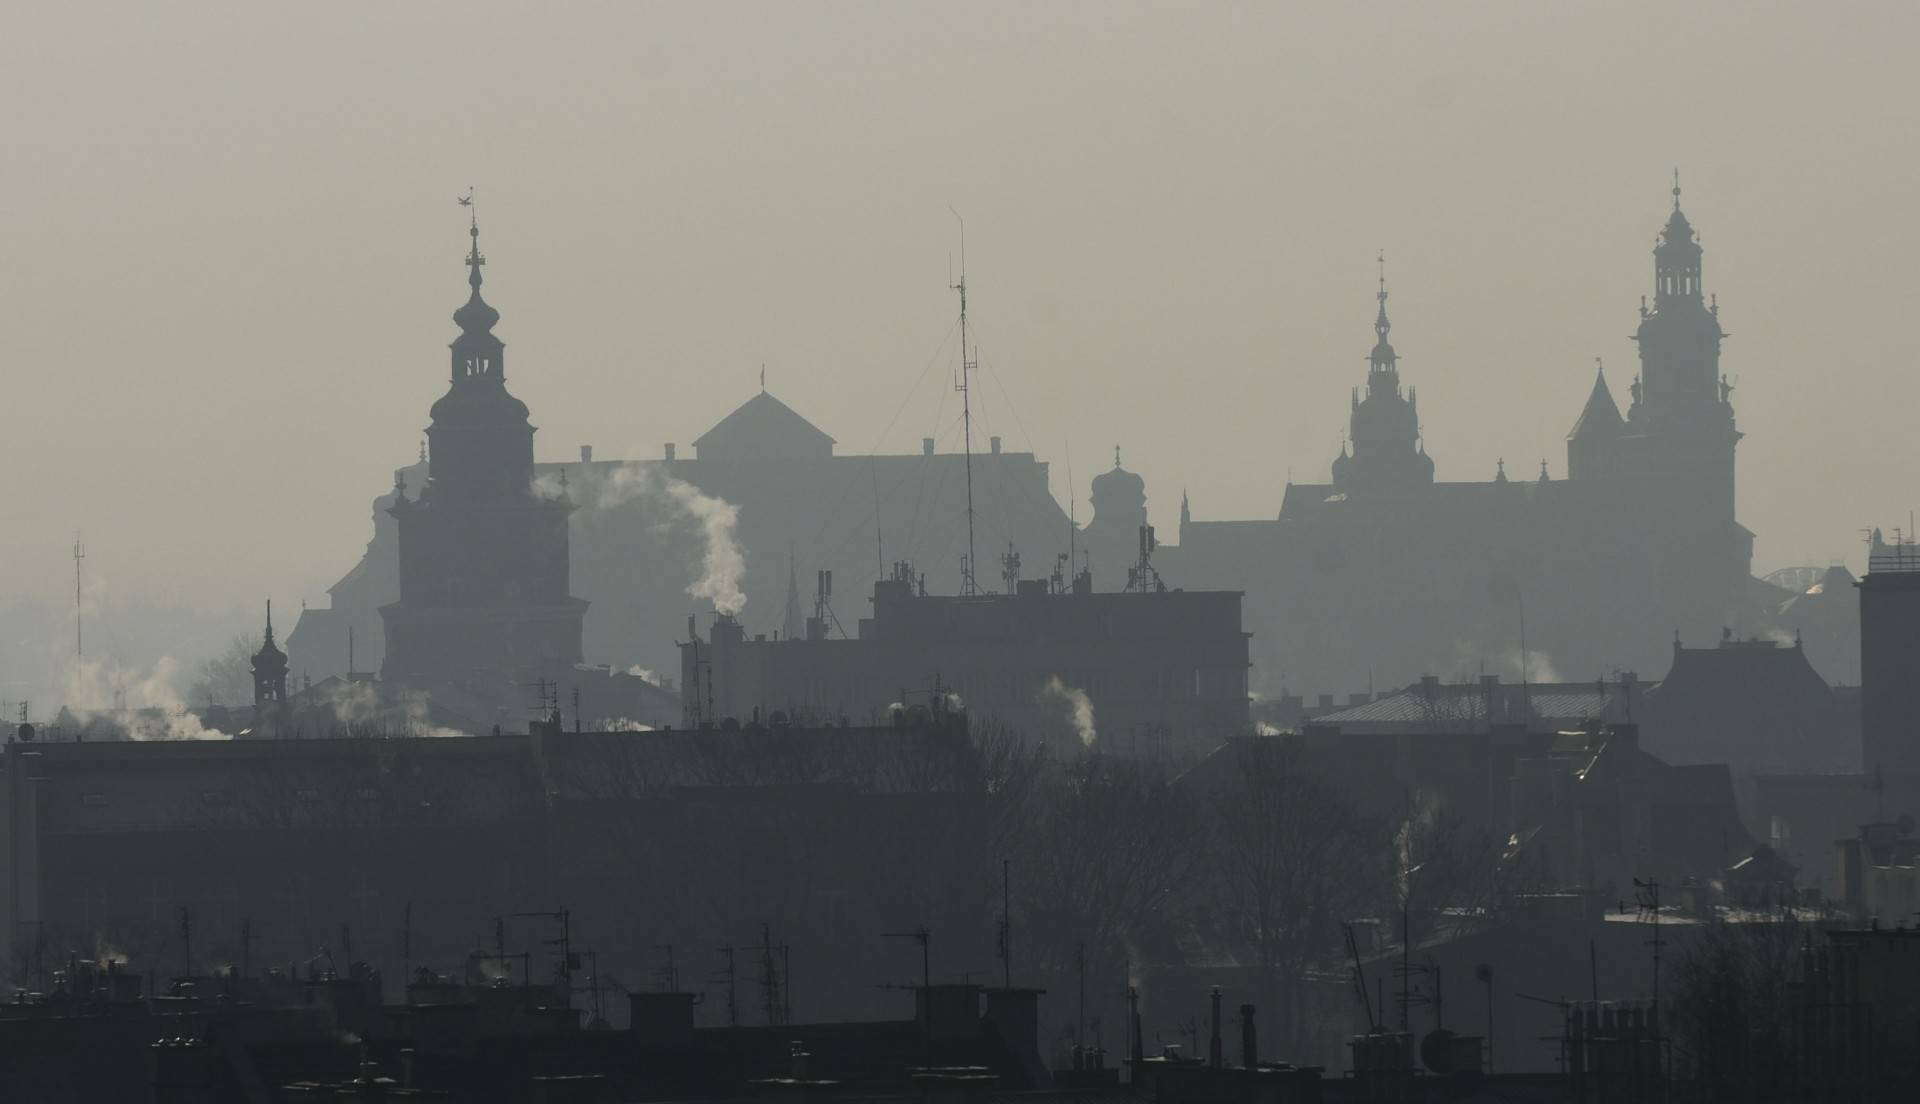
(269, 668)
(1595, 439)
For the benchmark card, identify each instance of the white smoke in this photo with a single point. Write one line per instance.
(547, 487)
(618, 724)
(1080, 706)
(644, 674)
(1534, 666)
(723, 564)
(148, 705)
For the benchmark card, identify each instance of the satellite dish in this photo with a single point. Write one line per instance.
(1436, 1051)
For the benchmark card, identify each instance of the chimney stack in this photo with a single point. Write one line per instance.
(669, 450)
(1214, 1058)
(586, 454)
(926, 446)
(995, 441)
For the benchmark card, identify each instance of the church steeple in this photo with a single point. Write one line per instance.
(1383, 364)
(480, 443)
(1679, 337)
(1384, 425)
(269, 668)
(477, 353)
(1676, 259)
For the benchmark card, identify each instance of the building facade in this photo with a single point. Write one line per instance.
(1130, 672)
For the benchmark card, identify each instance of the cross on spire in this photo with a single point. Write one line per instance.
(474, 257)
(1676, 188)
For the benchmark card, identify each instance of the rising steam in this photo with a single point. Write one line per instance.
(1079, 705)
(149, 704)
(723, 564)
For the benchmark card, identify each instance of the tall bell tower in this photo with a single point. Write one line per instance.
(484, 573)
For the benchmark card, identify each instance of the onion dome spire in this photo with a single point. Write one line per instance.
(475, 316)
(477, 353)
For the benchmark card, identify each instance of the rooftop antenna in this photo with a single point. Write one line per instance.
(1073, 524)
(879, 543)
(967, 365)
(79, 554)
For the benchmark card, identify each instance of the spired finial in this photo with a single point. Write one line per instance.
(1116, 456)
(1676, 188)
(1380, 323)
(474, 257)
(269, 620)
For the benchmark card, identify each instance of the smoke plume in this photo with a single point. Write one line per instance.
(1078, 704)
(723, 564)
(146, 705)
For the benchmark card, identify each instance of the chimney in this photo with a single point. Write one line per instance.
(669, 450)
(995, 443)
(1214, 1058)
(926, 446)
(586, 454)
(1137, 1051)
(1249, 1045)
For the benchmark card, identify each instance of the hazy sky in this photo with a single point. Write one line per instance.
(231, 245)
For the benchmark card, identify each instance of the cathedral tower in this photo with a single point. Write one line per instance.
(484, 572)
(1675, 453)
(1388, 456)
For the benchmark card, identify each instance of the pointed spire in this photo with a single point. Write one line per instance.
(269, 635)
(1601, 415)
(1676, 187)
(1382, 361)
(793, 624)
(1116, 456)
(1380, 323)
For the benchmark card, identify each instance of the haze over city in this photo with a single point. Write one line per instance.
(1013, 534)
(247, 292)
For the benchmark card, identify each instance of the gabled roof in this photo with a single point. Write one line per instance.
(766, 427)
(1601, 415)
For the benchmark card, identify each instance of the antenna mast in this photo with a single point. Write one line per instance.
(78, 554)
(967, 365)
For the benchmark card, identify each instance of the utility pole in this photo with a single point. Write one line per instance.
(1080, 1016)
(733, 1004)
(247, 940)
(924, 937)
(1006, 924)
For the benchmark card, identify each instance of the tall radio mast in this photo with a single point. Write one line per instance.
(79, 652)
(967, 365)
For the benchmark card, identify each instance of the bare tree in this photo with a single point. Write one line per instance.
(1292, 859)
(1733, 1009)
(226, 678)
